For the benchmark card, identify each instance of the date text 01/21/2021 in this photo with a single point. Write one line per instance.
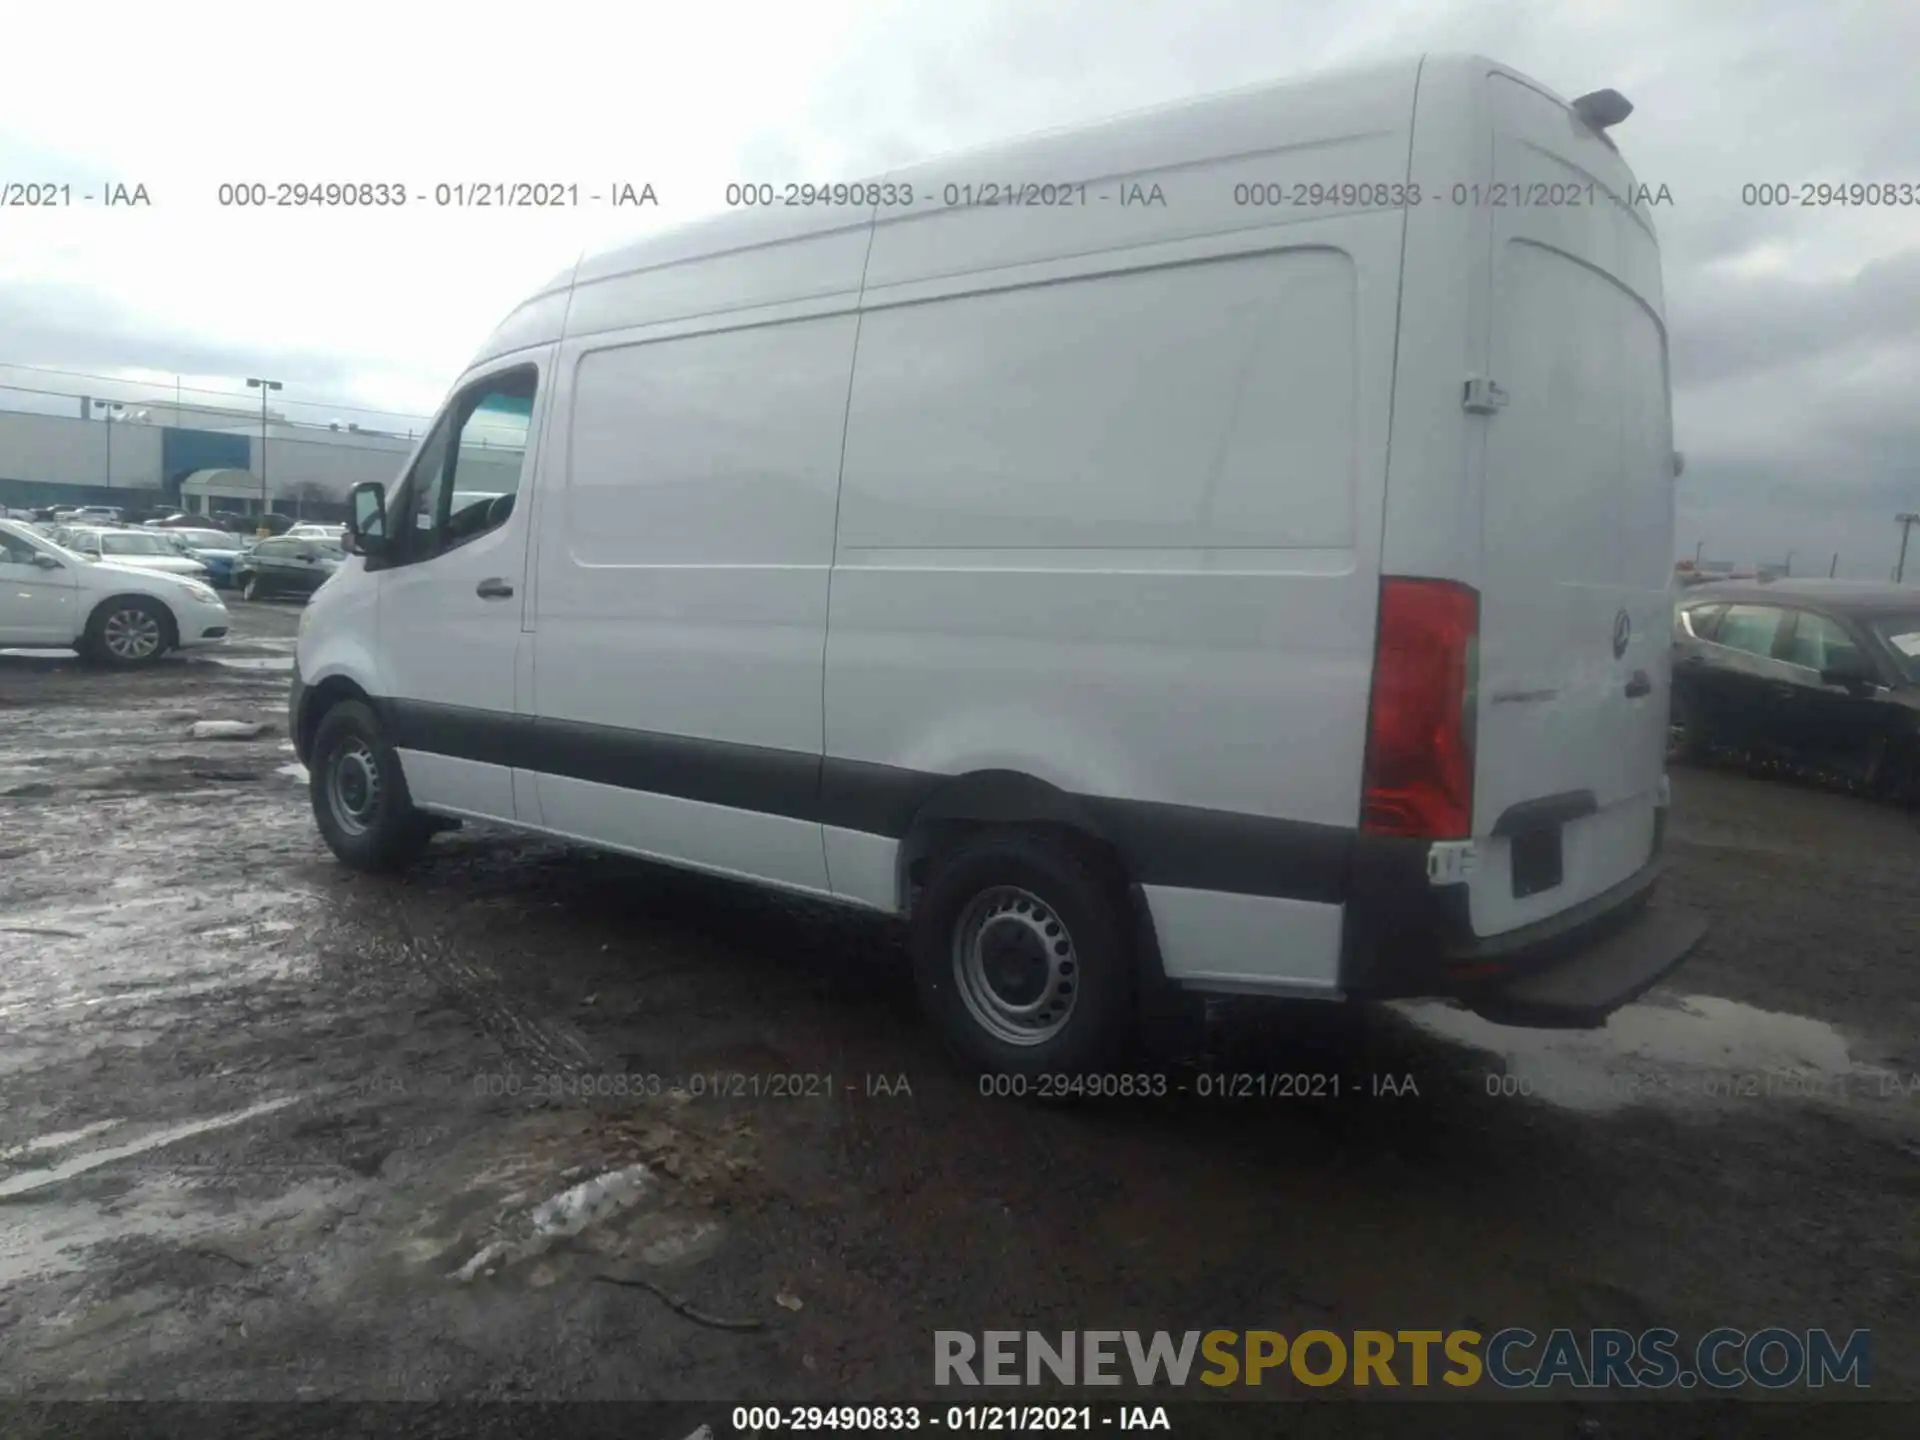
(443, 195)
(802, 1419)
(1203, 1085)
(696, 1085)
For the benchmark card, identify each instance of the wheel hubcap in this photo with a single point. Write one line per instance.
(1015, 966)
(131, 634)
(353, 787)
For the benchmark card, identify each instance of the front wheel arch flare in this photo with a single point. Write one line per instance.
(321, 698)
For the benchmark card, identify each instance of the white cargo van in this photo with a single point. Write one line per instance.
(1225, 549)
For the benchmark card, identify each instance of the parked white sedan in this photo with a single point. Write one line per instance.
(111, 613)
(137, 549)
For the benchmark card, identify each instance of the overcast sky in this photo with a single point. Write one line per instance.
(1796, 332)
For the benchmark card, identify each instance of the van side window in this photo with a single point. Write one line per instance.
(468, 474)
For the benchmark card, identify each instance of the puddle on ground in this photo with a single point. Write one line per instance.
(142, 947)
(28, 1180)
(63, 1239)
(1695, 1049)
(58, 1140)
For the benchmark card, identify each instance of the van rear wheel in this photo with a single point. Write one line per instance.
(1023, 958)
(359, 794)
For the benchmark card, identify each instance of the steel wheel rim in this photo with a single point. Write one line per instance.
(1015, 966)
(131, 634)
(354, 787)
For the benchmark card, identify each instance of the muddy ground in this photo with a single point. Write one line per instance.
(270, 1130)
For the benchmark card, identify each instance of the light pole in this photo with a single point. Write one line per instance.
(109, 406)
(1786, 566)
(254, 382)
(1906, 520)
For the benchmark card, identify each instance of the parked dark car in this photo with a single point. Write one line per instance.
(285, 565)
(1822, 673)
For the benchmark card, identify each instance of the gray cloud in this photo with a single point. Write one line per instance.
(1791, 384)
(1795, 331)
(77, 329)
(1725, 327)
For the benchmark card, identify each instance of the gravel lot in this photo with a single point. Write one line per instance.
(272, 1130)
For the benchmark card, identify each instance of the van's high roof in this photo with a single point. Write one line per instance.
(1146, 144)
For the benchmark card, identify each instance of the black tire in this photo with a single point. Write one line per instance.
(129, 630)
(383, 832)
(1070, 899)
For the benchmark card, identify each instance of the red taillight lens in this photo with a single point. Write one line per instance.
(1419, 774)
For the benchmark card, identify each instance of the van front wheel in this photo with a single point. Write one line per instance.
(359, 794)
(1022, 956)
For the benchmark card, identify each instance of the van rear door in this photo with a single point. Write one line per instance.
(1577, 522)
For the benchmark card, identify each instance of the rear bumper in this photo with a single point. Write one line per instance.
(1579, 991)
(1408, 938)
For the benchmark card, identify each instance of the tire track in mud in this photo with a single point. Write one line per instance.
(543, 1042)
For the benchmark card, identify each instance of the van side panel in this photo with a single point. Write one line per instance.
(1109, 512)
(1432, 508)
(684, 560)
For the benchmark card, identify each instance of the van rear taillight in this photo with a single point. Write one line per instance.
(1419, 770)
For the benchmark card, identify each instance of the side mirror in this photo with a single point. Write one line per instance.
(367, 518)
(46, 561)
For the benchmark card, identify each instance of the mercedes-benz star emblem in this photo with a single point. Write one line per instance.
(1622, 632)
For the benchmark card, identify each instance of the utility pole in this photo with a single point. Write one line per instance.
(109, 406)
(1698, 547)
(1834, 568)
(263, 386)
(1906, 520)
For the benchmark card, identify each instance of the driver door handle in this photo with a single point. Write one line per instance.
(1639, 685)
(493, 588)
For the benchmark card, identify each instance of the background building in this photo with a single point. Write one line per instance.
(203, 455)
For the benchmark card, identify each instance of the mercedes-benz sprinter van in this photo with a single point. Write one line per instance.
(1224, 549)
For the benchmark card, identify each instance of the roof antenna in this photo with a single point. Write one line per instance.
(1603, 108)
